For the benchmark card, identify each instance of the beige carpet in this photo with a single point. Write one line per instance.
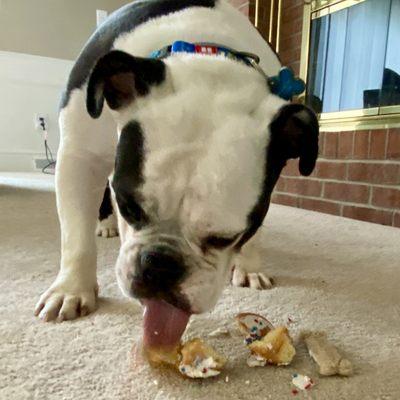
(332, 274)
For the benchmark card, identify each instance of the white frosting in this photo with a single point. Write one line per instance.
(302, 382)
(254, 324)
(201, 369)
(256, 361)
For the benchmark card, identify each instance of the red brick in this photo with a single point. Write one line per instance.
(345, 145)
(331, 170)
(285, 199)
(320, 205)
(386, 197)
(331, 144)
(292, 3)
(291, 42)
(361, 145)
(290, 55)
(377, 145)
(280, 185)
(295, 67)
(396, 219)
(349, 192)
(291, 14)
(321, 142)
(291, 169)
(368, 214)
(292, 28)
(388, 173)
(393, 146)
(305, 187)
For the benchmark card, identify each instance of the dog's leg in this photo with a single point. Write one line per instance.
(84, 161)
(249, 268)
(107, 225)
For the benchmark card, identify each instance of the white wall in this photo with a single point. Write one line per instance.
(50, 28)
(28, 85)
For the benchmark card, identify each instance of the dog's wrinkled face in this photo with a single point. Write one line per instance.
(201, 145)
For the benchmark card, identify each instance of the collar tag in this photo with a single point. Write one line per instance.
(285, 84)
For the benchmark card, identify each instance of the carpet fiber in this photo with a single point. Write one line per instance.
(331, 274)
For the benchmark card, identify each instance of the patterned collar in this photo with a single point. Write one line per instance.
(284, 85)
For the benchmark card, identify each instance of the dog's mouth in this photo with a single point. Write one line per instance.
(163, 323)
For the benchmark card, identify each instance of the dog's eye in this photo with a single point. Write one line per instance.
(132, 212)
(219, 242)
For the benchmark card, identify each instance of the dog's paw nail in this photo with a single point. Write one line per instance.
(44, 317)
(38, 309)
(61, 317)
(265, 281)
(253, 280)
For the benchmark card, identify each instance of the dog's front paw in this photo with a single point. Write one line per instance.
(107, 227)
(67, 298)
(253, 280)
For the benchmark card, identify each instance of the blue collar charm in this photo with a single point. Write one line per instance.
(284, 85)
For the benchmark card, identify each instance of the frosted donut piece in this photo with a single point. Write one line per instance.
(254, 326)
(256, 361)
(275, 347)
(199, 360)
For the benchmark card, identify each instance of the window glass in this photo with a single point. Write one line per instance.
(391, 76)
(335, 61)
(354, 61)
(318, 52)
(364, 58)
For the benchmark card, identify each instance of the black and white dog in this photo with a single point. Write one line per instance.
(194, 144)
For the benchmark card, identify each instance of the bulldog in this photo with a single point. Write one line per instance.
(192, 141)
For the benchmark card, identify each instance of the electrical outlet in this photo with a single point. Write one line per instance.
(38, 121)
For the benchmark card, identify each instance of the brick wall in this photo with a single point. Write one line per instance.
(358, 172)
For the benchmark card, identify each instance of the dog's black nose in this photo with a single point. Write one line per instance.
(160, 269)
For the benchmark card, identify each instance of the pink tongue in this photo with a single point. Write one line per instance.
(163, 323)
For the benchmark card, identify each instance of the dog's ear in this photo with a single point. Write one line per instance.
(294, 133)
(118, 78)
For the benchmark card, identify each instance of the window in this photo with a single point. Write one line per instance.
(353, 63)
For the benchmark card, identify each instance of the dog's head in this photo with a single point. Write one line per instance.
(202, 142)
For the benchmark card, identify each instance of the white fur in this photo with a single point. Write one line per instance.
(84, 161)
(206, 130)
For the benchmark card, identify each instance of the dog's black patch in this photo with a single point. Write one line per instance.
(106, 208)
(294, 133)
(128, 176)
(122, 21)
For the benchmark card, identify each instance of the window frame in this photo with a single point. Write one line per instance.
(368, 118)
